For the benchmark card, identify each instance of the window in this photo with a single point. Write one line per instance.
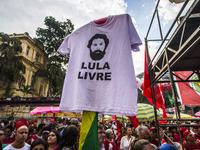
(41, 90)
(27, 50)
(37, 57)
(33, 79)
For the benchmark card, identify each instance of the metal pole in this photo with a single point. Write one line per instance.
(161, 35)
(151, 75)
(177, 111)
(152, 18)
(171, 28)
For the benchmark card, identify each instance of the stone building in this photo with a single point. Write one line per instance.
(33, 57)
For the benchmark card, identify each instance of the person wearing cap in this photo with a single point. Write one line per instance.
(153, 136)
(60, 128)
(20, 137)
(190, 143)
(74, 121)
(173, 130)
(182, 129)
(169, 143)
(45, 133)
(197, 135)
(193, 130)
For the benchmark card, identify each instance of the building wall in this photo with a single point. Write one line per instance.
(34, 58)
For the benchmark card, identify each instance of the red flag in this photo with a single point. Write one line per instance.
(163, 105)
(147, 88)
(189, 91)
(134, 121)
(118, 124)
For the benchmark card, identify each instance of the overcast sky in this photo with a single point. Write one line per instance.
(19, 16)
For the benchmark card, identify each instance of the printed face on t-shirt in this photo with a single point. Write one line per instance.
(97, 46)
(97, 50)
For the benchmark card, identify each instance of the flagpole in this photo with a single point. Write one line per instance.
(152, 87)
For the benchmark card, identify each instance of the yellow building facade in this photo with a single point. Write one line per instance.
(33, 57)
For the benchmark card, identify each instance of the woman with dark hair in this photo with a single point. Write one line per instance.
(127, 139)
(39, 144)
(2, 136)
(69, 138)
(53, 140)
(141, 145)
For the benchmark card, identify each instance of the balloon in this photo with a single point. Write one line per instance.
(139, 82)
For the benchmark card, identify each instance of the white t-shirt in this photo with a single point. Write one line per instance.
(125, 144)
(10, 147)
(100, 75)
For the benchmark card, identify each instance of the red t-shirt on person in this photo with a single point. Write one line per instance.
(191, 147)
(106, 143)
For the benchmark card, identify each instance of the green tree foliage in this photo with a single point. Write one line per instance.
(26, 89)
(11, 69)
(52, 37)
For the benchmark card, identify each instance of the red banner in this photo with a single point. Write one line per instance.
(189, 92)
(147, 88)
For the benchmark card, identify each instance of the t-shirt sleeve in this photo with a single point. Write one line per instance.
(64, 47)
(134, 37)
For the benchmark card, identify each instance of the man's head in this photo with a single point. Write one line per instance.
(143, 132)
(45, 133)
(188, 136)
(8, 131)
(97, 46)
(169, 135)
(21, 134)
(153, 133)
(74, 121)
(101, 134)
(194, 129)
(60, 127)
(2, 134)
(173, 130)
(109, 134)
(40, 127)
(109, 125)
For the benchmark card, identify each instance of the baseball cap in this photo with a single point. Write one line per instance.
(74, 121)
(21, 122)
(185, 133)
(182, 129)
(60, 125)
(152, 128)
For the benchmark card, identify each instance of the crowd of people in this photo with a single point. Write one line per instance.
(64, 135)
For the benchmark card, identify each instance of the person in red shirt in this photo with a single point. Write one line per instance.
(109, 141)
(190, 143)
(9, 135)
(173, 130)
(197, 134)
(153, 134)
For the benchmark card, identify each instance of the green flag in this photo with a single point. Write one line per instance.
(170, 99)
(89, 131)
